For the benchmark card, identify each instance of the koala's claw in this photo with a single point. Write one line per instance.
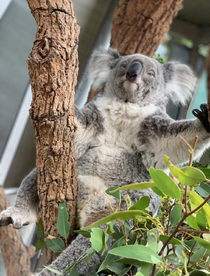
(202, 115)
(14, 216)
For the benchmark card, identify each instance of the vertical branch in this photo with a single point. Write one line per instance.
(53, 69)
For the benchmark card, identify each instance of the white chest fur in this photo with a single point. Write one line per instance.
(122, 121)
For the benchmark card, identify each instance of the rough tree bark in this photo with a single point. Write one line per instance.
(53, 69)
(139, 26)
(15, 255)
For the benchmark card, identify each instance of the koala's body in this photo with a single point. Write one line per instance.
(121, 133)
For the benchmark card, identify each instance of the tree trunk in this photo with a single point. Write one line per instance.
(139, 26)
(15, 255)
(53, 69)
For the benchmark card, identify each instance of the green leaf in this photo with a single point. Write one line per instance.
(201, 219)
(201, 192)
(191, 220)
(175, 214)
(129, 261)
(157, 191)
(145, 269)
(55, 244)
(96, 239)
(137, 252)
(164, 238)
(39, 228)
(73, 271)
(199, 272)
(205, 171)
(120, 215)
(114, 192)
(136, 186)
(40, 245)
(187, 175)
(53, 270)
(109, 260)
(165, 183)
(197, 255)
(141, 204)
(63, 226)
(139, 274)
(197, 201)
(85, 234)
(202, 242)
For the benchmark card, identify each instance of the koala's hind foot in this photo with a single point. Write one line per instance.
(16, 216)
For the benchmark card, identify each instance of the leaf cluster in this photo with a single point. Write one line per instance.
(176, 242)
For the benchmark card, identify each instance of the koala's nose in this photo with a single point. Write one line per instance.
(133, 71)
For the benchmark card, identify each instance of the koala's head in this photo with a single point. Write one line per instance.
(139, 79)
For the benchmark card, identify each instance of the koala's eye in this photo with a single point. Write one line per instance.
(123, 65)
(151, 73)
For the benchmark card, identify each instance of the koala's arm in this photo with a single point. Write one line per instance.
(89, 124)
(164, 137)
(26, 204)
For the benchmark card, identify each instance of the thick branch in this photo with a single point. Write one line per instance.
(53, 68)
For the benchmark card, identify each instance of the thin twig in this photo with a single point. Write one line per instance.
(191, 230)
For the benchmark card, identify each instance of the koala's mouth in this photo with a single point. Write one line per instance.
(131, 87)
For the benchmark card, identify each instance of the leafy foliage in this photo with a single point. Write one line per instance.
(176, 242)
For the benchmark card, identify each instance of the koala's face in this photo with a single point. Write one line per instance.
(136, 78)
(140, 79)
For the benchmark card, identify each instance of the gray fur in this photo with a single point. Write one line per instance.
(122, 133)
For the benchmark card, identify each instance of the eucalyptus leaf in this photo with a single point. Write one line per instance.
(201, 219)
(164, 238)
(197, 201)
(53, 270)
(187, 175)
(114, 192)
(63, 226)
(157, 191)
(176, 213)
(135, 186)
(55, 244)
(40, 245)
(84, 233)
(73, 271)
(115, 216)
(197, 255)
(202, 242)
(137, 252)
(191, 220)
(141, 204)
(199, 272)
(165, 183)
(97, 239)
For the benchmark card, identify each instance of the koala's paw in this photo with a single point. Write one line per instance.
(202, 115)
(13, 215)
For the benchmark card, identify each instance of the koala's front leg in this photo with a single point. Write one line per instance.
(26, 204)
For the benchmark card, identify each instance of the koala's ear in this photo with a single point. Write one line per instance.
(179, 81)
(101, 63)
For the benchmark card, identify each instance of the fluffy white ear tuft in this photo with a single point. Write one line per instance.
(179, 82)
(100, 65)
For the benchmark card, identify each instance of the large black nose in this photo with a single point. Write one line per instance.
(133, 70)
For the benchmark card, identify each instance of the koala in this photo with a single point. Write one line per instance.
(121, 133)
